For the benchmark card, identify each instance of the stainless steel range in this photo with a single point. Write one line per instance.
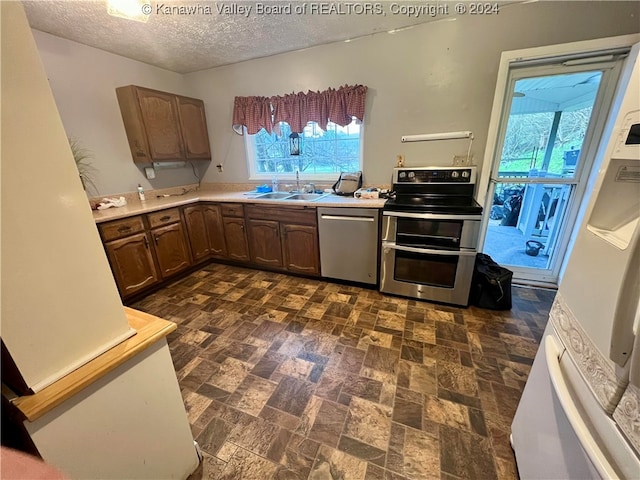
(430, 234)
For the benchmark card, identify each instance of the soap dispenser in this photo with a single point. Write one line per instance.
(141, 193)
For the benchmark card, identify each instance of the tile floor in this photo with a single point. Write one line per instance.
(290, 378)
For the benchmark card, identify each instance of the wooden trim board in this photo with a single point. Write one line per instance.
(149, 329)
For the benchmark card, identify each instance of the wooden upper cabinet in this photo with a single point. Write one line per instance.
(161, 126)
(160, 117)
(194, 128)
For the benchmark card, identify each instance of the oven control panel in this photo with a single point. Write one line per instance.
(435, 175)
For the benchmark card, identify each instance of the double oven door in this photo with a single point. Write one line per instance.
(429, 256)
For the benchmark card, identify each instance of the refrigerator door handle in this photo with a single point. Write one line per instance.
(588, 443)
(623, 331)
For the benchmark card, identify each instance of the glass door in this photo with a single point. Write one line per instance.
(552, 119)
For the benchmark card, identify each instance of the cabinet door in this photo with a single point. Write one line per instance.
(300, 247)
(215, 230)
(197, 231)
(171, 249)
(162, 126)
(194, 128)
(236, 238)
(264, 242)
(132, 263)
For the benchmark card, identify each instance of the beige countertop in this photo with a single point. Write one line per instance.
(136, 207)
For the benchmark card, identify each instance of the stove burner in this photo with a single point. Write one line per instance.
(438, 190)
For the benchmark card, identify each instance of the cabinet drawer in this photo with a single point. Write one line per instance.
(163, 217)
(120, 228)
(232, 210)
(289, 214)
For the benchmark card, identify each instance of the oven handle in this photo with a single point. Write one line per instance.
(429, 251)
(437, 237)
(432, 216)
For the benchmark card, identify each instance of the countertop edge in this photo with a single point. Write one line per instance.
(149, 329)
(153, 205)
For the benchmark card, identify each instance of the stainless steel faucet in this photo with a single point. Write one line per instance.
(297, 181)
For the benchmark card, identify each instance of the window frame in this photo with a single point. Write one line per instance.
(250, 158)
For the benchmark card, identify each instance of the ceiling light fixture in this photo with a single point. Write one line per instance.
(137, 10)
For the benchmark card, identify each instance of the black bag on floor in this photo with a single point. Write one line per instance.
(490, 285)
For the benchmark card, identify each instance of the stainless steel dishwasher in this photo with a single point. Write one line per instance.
(349, 243)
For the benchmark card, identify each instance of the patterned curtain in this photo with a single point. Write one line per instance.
(297, 109)
(253, 113)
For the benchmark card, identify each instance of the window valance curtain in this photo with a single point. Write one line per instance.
(297, 109)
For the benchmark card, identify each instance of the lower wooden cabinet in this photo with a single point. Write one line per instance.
(171, 249)
(145, 249)
(132, 263)
(300, 248)
(284, 237)
(197, 232)
(236, 239)
(264, 242)
(205, 230)
(215, 229)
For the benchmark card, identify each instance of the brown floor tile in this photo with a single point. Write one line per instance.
(382, 359)
(408, 413)
(214, 435)
(351, 360)
(368, 422)
(244, 464)
(280, 418)
(293, 378)
(421, 455)
(328, 423)
(466, 455)
(362, 450)
(331, 463)
(291, 395)
(255, 394)
(457, 378)
(362, 387)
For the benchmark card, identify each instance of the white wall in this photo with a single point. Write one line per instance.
(83, 80)
(60, 304)
(435, 77)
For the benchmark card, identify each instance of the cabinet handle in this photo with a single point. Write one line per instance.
(155, 237)
(165, 218)
(124, 228)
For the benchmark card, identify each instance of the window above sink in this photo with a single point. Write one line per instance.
(323, 154)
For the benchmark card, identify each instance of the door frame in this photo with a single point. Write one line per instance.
(540, 55)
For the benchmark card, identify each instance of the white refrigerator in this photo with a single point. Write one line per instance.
(579, 415)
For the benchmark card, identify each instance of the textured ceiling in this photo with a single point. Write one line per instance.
(187, 43)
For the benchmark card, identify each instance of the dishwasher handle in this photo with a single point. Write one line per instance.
(347, 218)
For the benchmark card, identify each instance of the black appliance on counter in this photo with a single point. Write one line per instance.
(430, 234)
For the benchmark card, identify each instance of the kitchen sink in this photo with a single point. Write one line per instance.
(309, 197)
(275, 195)
(305, 197)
